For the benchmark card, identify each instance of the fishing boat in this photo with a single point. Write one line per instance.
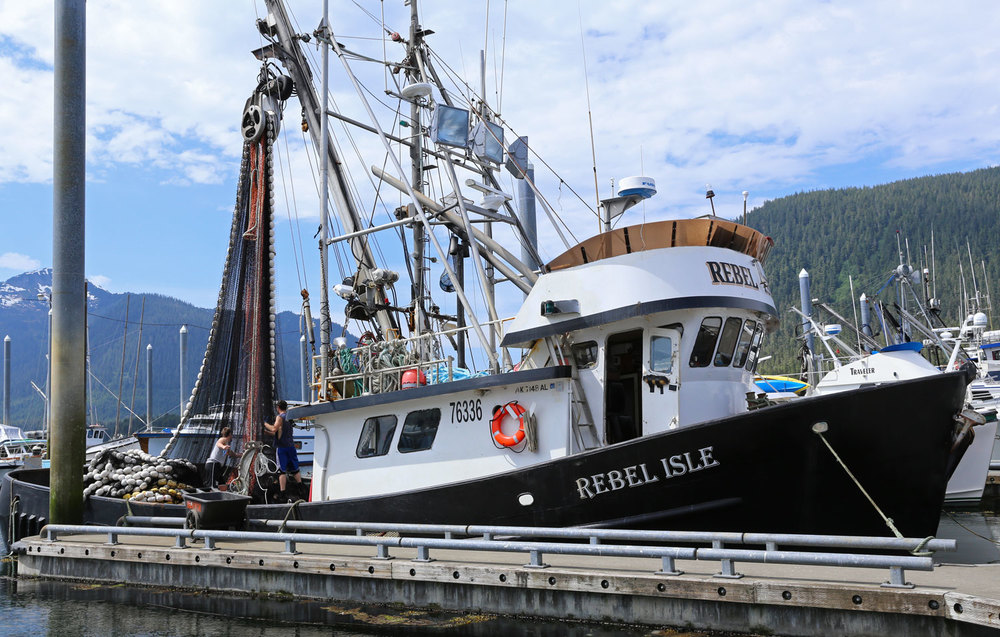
(839, 361)
(620, 394)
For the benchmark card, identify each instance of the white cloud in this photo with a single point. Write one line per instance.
(18, 262)
(768, 96)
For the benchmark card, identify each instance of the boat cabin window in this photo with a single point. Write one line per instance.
(730, 333)
(661, 349)
(758, 333)
(743, 347)
(704, 343)
(585, 354)
(419, 430)
(376, 436)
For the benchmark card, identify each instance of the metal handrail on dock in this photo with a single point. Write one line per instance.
(497, 538)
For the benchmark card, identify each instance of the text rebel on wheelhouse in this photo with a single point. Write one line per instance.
(731, 274)
(639, 474)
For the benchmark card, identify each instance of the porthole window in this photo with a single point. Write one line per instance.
(419, 430)
(704, 343)
(376, 436)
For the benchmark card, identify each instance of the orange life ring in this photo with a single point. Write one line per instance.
(515, 410)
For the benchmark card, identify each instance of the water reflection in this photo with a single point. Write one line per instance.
(977, 534)
(30, 608)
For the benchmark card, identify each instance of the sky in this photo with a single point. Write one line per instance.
(771, 97)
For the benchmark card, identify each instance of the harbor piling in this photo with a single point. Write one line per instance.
(6, 380)
(67, 400)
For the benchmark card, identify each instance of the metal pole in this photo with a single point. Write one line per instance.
(459, 308)
(806, 304)
(6, 380)
(68, 402)
(183, 365)
(866, 316)
(489, 285)
(324, 294)
(149, 385)
(48, 374)
(526, 206)
(418, 291)
(304, 367)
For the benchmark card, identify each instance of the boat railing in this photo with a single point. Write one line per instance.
(665, 546)
(389, 365)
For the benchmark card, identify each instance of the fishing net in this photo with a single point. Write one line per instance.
(238, 382)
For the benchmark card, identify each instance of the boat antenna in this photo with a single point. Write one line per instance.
(746, 193)
(590, 116)
(121, 375)
(854, 305)
(965, 293)
(989, 303)
(933, 267)
(710, 195)
(972, 269)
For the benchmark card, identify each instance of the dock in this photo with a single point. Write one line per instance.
(725, 594)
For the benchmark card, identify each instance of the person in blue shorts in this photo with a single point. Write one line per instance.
(288, 460)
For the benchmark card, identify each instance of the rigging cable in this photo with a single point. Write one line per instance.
(451, 74)
(294, 227)
(503, 59)
(590, 117)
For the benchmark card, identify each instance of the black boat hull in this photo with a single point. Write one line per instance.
(763, 471)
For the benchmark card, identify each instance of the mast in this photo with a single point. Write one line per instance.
(286, 49)
(324, 206)
(489, 284)
(416, 172)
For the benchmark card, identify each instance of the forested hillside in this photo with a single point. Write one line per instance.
(838, 234)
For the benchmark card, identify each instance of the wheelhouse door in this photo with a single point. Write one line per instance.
(660, 379)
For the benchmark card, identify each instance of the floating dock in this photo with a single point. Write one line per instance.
(703, 593)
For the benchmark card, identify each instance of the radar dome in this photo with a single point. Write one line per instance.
(645, 187)
(979, 319)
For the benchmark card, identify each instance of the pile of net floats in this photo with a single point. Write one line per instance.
(138, 476)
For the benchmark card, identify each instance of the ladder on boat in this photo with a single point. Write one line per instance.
(583, 419)
(584, 429)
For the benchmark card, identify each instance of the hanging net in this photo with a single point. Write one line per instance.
(237, 385)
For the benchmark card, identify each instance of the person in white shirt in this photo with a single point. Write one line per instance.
(214, 467)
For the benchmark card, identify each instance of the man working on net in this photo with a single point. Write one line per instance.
(288, 460)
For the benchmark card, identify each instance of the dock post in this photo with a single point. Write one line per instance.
(6, 380)
(68, 407)
(149, 386)
(183, 340)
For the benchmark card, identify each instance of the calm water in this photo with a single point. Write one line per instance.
(29, 608)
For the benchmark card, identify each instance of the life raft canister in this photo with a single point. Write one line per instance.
(496, 425)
